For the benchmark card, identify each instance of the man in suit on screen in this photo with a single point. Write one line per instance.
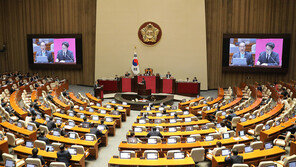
(65, 55)
(243, 54)
(45, 53)
(268, 57)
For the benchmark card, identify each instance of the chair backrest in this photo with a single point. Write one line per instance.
(44, 129)
(240, 147)
(288, 135)
(198, 154)
(158, 139)
(57, 164)
(240, 165)
(33, 125)
(79, 149)
(215, 135)
(10, 139)
(171, 153)
(35, 161)
(257, 145)
(234, 121)
(6, 156)
(56, 146)
(178, 138)
(133, 153)
(258, 129)
(196, 136)
(266, 163)
(40, 144)
(289, 159)
(149, 151)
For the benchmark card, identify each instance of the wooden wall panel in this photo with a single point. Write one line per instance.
(49, 17)
(247, 16)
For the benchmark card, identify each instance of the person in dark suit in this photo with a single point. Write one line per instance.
(268, 57)
(231, 115)
(34, 155)
(243, 54)
(43, 138)
(234, 158)
(60, 130)
(94, 130)
(64, 155)
(154, 133)
(33, 121)
(44, 52)
(32, 110)
(85, 123)
(65, 55)
(143, 82)
(168, 75)
(127, 74)
(50, 124)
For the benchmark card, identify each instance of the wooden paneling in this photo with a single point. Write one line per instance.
(22, 17)
(247, 16)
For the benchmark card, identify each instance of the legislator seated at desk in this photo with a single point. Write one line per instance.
(24, 151)
(89, 141)
(252, 157)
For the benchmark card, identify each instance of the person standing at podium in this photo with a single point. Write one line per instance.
(143, 82)
(168, 75)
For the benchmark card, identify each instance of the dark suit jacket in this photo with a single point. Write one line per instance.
(45, 139)
(154, 133)
(168, 75)
(230, 116)
(234, 159)
(64, 156)
(272, 61)
(68, 57)
(96, 132)
(38, 156)
(51, 125)
(247, 55)
(48, 54)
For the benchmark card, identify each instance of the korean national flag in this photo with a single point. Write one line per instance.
(135, 65)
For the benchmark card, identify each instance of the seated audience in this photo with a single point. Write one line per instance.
(35, 155)
(64, 155)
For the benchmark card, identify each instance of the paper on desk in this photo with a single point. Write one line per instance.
(68, 127)
(245, 137)
(236, 138)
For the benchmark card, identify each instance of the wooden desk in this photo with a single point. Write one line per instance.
(251, 108)
(166, 117)
(4, 146)
(157, 111)
(126, 107)
(117, 118)
(188, 161)
(183, 105)
(253, 158)
(93, 99)
(177, 124)
(24, 151)
(178, 133)
(83, 131)
(253, 122)
(93, 146)
(76, 100)
(111, 125)
(273, 132)
(231, 104)
(219, 98)
(14, 99)
(183, 146)
(208, 112)
(123, 112)
(60, 104)
(194, 109)
(20, 132)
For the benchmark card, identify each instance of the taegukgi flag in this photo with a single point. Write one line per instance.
(135, 64)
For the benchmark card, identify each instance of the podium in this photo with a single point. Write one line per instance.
(98, 92)
(142, 90)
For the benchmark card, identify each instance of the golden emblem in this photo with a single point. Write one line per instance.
(149, 33)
